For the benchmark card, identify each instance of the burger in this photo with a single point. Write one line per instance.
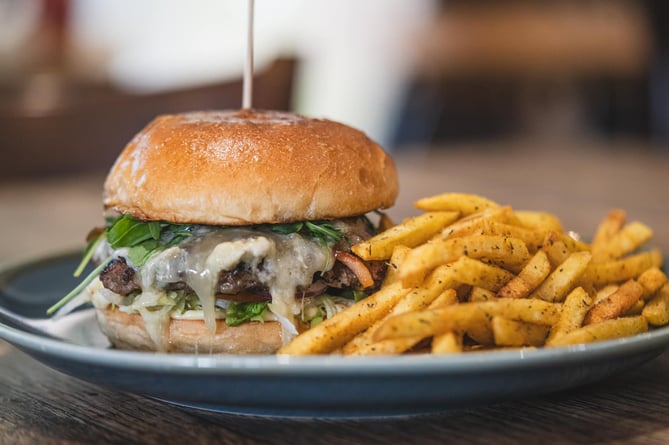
(230, 231)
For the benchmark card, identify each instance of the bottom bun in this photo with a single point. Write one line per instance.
(127, 331)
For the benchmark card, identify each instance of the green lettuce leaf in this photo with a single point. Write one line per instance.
(238, 313)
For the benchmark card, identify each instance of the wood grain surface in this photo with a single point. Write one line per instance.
(41, 406)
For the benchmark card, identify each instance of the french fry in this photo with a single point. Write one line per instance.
(656, 310)
(389, 346)
(615, 304)
(576, 306)
(396, 260)
(531, 276)
(441, 280)
(604, 293)
(531, 238)
(621, 270)
(572, 243)
(651, 280)
(410, 233)
(471, 275)
(636, 309)
(626, 240)
(481, 332)
(606, 330)
(480, 294)
(588, 287)
(562, 279)
(555, 248)
(608, 227)
(446, 298)
(476, 273)
(364, 343)
(464, 203)
(475, 222)
(334, 332)
(540, 221)
(460, 317)
(500, 250)
(416, 299)
(508, 332)
(447, 343)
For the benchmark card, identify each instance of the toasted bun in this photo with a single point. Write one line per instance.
(249, 167)
(127, 331)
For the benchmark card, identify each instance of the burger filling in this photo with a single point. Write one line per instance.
(297, 274)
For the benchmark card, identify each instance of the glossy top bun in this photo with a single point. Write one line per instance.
(249, 167)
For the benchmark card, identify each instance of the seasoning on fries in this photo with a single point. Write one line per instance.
(470, 275)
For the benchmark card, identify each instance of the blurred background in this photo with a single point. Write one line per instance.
(484, 83)
(79, 77)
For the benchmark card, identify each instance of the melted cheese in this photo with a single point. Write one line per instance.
(281, 262)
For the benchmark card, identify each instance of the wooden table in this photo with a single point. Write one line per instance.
(579, 183)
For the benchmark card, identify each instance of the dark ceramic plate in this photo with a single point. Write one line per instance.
(326, 386)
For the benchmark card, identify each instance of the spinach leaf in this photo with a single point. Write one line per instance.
(88, 253)
(144, 238)
(238, 313)
(140, 253)
(352, 294)
(127, 231)
(322, 230)
(286, 229)
(77, 290)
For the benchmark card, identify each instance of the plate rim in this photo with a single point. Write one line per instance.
(484, 361)
(224, 364)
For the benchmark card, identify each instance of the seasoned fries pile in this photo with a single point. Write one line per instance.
(469, 274)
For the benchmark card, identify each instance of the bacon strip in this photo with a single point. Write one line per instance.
(357, 266)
